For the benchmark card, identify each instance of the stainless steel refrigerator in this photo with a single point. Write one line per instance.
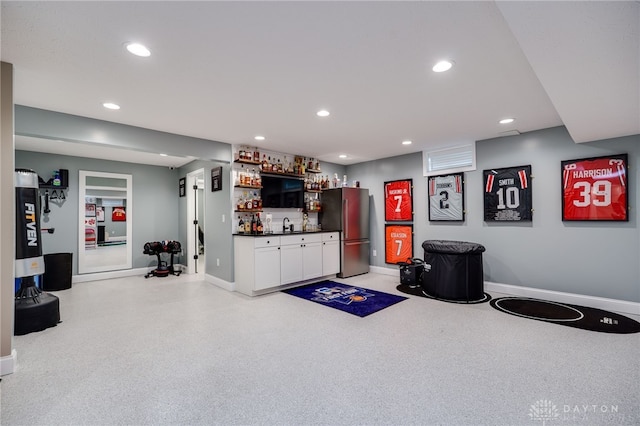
(347, 210)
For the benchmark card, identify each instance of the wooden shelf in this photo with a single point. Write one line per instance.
(282, 174)
(313, 191)
(256, 163)
(249, 211)
(313, 171)
(247, 186)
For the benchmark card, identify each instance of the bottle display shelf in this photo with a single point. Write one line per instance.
(248, 186)
(293, 175)
(239, 161)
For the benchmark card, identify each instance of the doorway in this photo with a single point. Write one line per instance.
(196, 222)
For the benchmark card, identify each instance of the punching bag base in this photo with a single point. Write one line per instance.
(31, 316)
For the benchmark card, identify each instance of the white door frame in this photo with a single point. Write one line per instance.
(192, 200)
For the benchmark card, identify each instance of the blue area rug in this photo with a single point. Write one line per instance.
(354, 300)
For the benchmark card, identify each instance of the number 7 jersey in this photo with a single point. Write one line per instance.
(595, 188)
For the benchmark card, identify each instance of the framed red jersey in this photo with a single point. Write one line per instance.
(398, 243)
(595, 188)
(398, 201)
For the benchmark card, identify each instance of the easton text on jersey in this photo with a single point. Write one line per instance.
(593, 173)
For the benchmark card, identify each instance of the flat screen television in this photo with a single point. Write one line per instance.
(282, 192)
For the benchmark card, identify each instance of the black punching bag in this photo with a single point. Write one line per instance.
(29, 260)
(34, 310)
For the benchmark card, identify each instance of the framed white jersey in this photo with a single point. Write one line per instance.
(446, 197)
(595, 188)
(507, 194)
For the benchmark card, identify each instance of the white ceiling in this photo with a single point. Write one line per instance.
(228, 71)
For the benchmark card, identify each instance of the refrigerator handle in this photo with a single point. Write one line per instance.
(345, 218)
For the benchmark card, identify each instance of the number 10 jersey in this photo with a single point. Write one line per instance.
(507, 194)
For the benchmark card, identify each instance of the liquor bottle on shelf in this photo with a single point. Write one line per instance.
(240, 225)
(265, 164)
(256, 155)
(255, 201)
(259, 225)
(248, 203)
(254, 226)
(247, 225)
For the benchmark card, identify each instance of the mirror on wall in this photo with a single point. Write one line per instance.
(105, 223)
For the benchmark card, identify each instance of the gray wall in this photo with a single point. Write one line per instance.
(595, 259)
(58, 126)
(154, 214)
(218, 239)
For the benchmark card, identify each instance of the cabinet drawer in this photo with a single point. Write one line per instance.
(300, 239)
(271, 241)
(331, 236)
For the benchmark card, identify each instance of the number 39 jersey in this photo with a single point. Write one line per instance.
(507, 194)
(595, 188)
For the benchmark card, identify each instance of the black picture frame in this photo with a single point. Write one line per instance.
(398, 200)
(508, 195)
(595, 189)
(398, 242)
(446, 197)
(216, 179)
(182, 185)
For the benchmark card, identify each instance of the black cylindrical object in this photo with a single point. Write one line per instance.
(29, 261)
(456, 270)
(57, 271)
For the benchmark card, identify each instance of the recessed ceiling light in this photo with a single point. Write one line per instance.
(163, 154)
(111, 105)
(322, 113)
(406, 142)
(342, 155)
(259, 138)
(507, 120)
(138, 49)
(442, 66)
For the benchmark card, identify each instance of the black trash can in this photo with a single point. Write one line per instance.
(456, 270)
(57, 271)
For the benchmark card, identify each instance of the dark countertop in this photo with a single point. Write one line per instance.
(279, 234)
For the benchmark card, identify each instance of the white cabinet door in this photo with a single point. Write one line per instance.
(312, 260)
(267, 267)
(290, 263)
(330, 257)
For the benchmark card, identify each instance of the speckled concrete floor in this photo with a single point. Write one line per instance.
(176, 350)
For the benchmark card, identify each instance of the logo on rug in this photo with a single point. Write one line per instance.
(344, 295)
(544, 411)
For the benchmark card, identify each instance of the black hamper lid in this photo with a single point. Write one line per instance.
(452, 247)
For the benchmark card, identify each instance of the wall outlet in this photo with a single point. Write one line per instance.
(222, 218)
(218, 262)
(375, 253)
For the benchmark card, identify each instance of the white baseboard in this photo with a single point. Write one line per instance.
(614, 305)
(108, 275)
(8, 363)
(220, 282)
